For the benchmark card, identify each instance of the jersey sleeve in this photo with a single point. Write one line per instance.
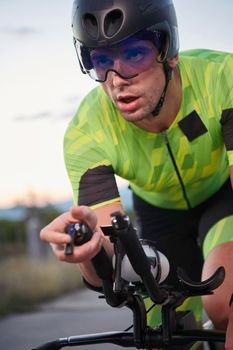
(89, 169)
(226, 96)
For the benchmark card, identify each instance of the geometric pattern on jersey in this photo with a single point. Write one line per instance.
(192, 126)
(99, 136)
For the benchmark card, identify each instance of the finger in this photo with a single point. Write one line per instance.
(56, 247)
(55, 231)
(84, 252)
(52, 236)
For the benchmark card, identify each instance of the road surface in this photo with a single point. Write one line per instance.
(77, 313)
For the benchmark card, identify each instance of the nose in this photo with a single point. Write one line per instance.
(117, 74)
(119, 81)
(118, 65)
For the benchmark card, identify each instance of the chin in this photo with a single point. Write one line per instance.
(135, 116)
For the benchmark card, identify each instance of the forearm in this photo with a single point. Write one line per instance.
(88, 273)
(87, 269)
(104, 218)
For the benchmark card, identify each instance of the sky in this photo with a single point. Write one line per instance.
(41, 87)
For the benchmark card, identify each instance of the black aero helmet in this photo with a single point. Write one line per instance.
(97, 23)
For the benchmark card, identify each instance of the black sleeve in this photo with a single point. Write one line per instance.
(97, 185)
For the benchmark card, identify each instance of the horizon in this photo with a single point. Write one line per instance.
(42, 86)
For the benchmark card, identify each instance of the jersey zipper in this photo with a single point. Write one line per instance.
(164, 134)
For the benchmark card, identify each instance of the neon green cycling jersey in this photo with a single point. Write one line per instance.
(178, 168)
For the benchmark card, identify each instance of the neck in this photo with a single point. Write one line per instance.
(169, 110)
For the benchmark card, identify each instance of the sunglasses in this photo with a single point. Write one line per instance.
(128, 58)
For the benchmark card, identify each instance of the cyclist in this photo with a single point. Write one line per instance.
(163, 121)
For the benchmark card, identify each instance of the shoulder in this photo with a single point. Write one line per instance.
(207, 70)
(96, 104)
(205, 57)
(93, 112)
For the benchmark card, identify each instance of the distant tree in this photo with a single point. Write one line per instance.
(20, 236)
(38, 217)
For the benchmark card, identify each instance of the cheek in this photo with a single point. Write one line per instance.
(153, 88)
(155, 85)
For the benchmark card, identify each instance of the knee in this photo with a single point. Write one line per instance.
(217, 309)
(217, 304)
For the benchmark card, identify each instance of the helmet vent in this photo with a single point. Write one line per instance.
(113, 22)
(91, 25)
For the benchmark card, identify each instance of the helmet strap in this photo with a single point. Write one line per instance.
(168, 75)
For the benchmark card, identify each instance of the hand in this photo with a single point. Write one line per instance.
(54, 233)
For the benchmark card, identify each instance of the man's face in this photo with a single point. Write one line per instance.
(129, 72)
(138, 96)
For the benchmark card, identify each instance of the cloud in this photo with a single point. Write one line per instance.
(74, 100)
(44, 115)
(68, 114)
(22, 31)
(33, 117)
(68, 111)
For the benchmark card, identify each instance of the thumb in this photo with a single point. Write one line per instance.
(84, 214)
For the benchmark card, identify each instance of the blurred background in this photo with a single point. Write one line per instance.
(40, 90)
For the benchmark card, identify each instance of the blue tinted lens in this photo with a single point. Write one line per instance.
(101, 61)
(128, 58)
(127, 61)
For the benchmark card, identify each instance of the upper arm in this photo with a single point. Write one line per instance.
(225, 89)
(97, 186)
(89, 168)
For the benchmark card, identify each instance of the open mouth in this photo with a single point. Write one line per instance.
(127, 99)
(128, 103)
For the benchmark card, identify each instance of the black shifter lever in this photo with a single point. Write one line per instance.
(80, 233)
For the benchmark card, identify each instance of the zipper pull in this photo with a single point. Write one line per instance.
(164, 135)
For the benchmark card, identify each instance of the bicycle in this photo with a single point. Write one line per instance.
(178, 329)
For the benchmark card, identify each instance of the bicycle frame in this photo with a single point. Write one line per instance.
(178, 329)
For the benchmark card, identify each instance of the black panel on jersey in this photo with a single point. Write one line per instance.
(192, 126)
(97, 185)
(227, 128)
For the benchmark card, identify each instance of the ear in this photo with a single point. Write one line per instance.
(173, 61)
